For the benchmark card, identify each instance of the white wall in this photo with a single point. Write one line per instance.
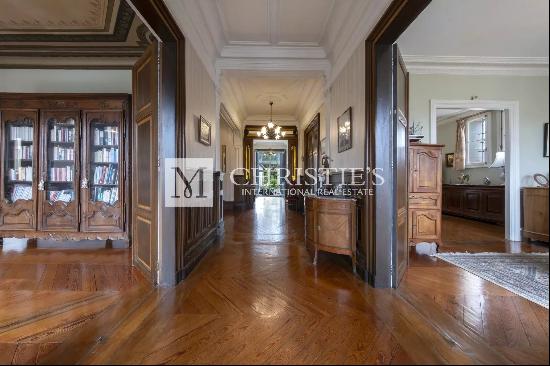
(531, 93)
(65, 81)
(348, 90)
(201, 100)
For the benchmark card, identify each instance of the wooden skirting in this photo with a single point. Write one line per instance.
(196, 252)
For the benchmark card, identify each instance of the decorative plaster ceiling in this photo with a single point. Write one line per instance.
(279, 35)
(483, 36)
(291, 92)
(70, 34)
(52, 16)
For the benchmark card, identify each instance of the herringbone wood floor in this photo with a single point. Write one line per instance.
(256, 298)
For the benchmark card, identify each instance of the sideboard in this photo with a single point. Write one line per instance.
(479, 202)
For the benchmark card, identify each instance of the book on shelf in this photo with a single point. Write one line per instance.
(23, 133)
(20, 174)
(22, 152)
(63, 153)
(106, 136)
(21, 192)
(66, 195)
(105, 175)
(62, 134)
(107, 195)
(106, 155)
(62, 174)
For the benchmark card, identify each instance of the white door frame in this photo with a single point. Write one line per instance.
(513, 214)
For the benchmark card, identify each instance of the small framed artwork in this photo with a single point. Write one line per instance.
(344, 131)
(450, 160)
(546, 141)
(205, 131)
(224, 158)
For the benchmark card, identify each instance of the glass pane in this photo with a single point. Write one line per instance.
(61, 159)
(104, 161)
(18, 164)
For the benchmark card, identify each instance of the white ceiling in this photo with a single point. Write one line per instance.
(490, 28)
(291, 92)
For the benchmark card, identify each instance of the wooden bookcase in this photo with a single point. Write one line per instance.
(65, 162)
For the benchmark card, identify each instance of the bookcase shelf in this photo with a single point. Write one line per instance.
(54, 182)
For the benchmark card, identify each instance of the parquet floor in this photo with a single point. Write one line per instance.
(256, 298)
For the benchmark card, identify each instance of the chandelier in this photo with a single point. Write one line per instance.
(271, 130)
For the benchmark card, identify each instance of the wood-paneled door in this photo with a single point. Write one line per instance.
(401, 102)
(58, 197)
(145, 162)
(20, 133)
(311, 147)
(102, 187)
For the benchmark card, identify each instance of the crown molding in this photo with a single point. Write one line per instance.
(306, 52)
(352, 28)
(263, 64)
(198, 32)
(477, 65)
(284, 118)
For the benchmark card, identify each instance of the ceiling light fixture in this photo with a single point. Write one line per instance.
(271, 130)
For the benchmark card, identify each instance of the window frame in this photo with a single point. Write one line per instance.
(487, 142)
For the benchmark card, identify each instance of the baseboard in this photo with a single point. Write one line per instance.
(197, 251)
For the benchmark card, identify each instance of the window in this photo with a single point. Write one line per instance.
(477, 142)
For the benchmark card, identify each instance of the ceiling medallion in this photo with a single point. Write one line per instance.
(271, 130)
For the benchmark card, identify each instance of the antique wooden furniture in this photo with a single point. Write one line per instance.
(535, 213)
(479, 202)
(425, 189)
(64, 164)
(331, 226)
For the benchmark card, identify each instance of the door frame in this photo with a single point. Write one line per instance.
(513, 179)
(375, 256)
(170, 225)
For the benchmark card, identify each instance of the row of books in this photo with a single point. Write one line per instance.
(22, 174)
(66, 195)
(107, 195)
(23, 133)
(63, 153)
(62, 174)
(62, 134)
(22, 152)
(106, 136)
(20, 192)
(106, 155)
(105, 175)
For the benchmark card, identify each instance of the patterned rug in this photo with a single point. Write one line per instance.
(524, 274)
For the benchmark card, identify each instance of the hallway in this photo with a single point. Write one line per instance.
(256, 298)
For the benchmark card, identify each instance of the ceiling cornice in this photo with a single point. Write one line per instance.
(477, 65)
(263, 64)
(239, 51)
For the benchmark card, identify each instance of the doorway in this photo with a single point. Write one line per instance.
(269, 166)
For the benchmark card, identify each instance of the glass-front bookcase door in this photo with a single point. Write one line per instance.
(20, 135)
(102, 191)
(60, 176)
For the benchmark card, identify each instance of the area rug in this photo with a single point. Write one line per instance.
(524, 274)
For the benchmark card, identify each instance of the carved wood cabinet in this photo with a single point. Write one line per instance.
(64, 164)
(478, 202)
(425, 190)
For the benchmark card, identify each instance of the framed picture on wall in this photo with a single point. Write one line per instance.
(224, 158)
(546, 141)
(450, 160)
(205, 131)
(344, 131)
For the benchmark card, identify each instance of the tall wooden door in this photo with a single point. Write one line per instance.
(311, 149)
(401, 114)
(145, 162)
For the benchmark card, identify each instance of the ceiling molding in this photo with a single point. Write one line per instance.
(190, 18)
(263, 64)
(273, 52)
(477, 65)
(124, 19)
(350, 29)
